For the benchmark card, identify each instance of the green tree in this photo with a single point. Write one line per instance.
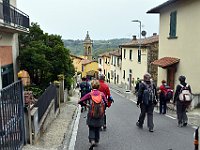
(44, 57)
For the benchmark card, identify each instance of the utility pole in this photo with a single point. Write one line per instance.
(139, 50)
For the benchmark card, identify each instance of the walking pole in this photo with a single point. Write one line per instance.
(196, 139)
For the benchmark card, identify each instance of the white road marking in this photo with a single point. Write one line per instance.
(75, 130)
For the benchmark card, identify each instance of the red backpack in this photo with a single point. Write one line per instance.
(169, 93)
(97, 107)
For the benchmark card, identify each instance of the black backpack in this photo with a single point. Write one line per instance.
(148, 95)
(85, 88)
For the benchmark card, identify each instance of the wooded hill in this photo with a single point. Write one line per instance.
(99, 46)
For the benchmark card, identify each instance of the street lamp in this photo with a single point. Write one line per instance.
(139, 51)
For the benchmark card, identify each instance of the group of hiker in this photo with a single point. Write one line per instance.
(148, 96)
(96, 97)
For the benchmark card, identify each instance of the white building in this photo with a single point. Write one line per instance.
(12, 22)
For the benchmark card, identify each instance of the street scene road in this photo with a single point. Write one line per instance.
(123, 134)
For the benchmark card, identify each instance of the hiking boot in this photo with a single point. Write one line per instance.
(150, 129)
(185, 124)
(92, 145)
(104, 127)
(180, 125)
(139, 125)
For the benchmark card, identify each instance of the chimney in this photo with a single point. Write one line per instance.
(154, 34)
(134, 37)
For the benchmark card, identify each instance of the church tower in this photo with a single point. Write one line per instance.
(87, 43)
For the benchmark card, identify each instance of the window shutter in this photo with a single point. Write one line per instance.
(173, 24)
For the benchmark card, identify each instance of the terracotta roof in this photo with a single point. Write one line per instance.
(116, 52)
(143, 42)
(166, 61)
(104, 54)
(72, 55)
(85, 61)
(163, 5)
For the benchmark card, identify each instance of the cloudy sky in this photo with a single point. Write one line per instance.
(104, 19)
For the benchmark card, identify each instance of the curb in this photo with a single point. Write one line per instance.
(68, 135)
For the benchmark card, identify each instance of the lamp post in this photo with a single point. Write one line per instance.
(139, 51)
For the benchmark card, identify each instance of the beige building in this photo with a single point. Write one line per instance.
(115, 66)
(179, 42)
(136, 63)
(104, 65)
(12, 22)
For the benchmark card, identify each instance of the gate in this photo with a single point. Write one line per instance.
(12, 117)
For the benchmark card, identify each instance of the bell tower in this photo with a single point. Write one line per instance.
(87, 43)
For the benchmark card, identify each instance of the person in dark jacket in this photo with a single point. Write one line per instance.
(94, 124)
(84, 89)
(146, 107)
(137, 85)
(181, 106)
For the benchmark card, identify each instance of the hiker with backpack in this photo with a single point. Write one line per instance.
(95, 116)
(182, 99)
(146, 99)
(166, 94)
(84, 89)
(106, 90)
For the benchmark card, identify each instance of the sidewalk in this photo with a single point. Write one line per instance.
(60, 128)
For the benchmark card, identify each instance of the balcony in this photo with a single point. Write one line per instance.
(13, 20)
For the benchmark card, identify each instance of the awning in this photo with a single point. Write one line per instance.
(166, 62)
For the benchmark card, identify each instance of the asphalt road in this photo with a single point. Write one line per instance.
(123, 134)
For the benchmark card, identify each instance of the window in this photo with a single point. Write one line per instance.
(125, 53)
(124, 75)
(139, 56)
(100, 60)
(173, 17)
(7, 75)
(82, 68)
(106, 61)
(114, 61)
(130, 55)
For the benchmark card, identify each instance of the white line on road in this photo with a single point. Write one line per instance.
(75, 130)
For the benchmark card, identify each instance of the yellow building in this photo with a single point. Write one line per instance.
(89, 69)
(179, 42)
(77, 62)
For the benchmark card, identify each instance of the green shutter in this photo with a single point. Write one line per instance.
(173, 24)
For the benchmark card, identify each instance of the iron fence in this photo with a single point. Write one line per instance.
(45, 99)
(11, 14)
(12, 132)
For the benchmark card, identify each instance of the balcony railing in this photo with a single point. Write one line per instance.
(13, 16)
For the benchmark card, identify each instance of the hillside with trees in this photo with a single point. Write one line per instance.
(99, 46)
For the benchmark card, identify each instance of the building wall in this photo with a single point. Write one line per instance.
(138, 69)
(87, 68)
(77, 64)
(9, 51)
(186, 46)
(115, 70)
(106, 67)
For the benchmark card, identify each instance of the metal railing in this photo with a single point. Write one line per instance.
(12, 131)
(45, 100)
(13, 16)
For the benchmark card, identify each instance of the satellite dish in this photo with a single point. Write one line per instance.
(144, 33)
